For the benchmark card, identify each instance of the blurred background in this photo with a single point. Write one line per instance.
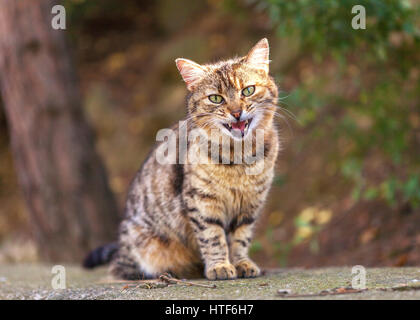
(347, 189)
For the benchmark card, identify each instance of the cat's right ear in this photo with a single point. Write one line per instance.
(258, 55)
(190, 71)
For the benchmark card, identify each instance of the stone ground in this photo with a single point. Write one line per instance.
(34, 282)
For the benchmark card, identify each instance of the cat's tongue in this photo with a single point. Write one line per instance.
(238, 125)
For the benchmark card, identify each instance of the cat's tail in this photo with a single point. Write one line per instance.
(101, 255)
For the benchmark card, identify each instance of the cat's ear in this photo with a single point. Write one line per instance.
(190, 71)
(258, 56)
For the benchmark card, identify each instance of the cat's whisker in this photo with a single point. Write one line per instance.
(192, 117)
(285, 97)
(286, 111)
(290, 113)
(279, 115)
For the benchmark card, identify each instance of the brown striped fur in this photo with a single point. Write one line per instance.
(189, 218)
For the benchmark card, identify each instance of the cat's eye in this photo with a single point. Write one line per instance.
(248, 91)
(215, 98)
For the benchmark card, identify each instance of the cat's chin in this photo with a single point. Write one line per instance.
(239, 135)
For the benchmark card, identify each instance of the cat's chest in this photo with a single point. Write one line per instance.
(232, 185)
(223, 178)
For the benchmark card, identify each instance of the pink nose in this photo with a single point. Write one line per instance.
(236, 114)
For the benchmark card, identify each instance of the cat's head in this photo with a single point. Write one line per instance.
(235, 96)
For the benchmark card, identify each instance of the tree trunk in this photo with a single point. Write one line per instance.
(63, 179)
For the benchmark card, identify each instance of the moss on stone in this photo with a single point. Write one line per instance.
(34, 282)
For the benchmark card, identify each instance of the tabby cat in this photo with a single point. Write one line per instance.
(186, 218)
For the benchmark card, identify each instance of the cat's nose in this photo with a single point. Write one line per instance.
(236, 114)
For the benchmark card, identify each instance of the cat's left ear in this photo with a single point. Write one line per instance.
(258, 56)
(190, 71)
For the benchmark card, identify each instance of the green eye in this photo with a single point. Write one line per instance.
(215, 98)
(248, 91)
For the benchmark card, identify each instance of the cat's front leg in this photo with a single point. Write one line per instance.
(240, 239)
(211, 239)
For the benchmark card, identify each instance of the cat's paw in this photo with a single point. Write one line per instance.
(247, 269)
(221, 271)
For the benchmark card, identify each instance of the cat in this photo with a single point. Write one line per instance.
(194, 219)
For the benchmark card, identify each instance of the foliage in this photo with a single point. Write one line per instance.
(382, 118)
(326, 24)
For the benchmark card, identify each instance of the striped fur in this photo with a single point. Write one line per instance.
(191, 218)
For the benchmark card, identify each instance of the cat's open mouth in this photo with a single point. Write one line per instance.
(242, 126)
